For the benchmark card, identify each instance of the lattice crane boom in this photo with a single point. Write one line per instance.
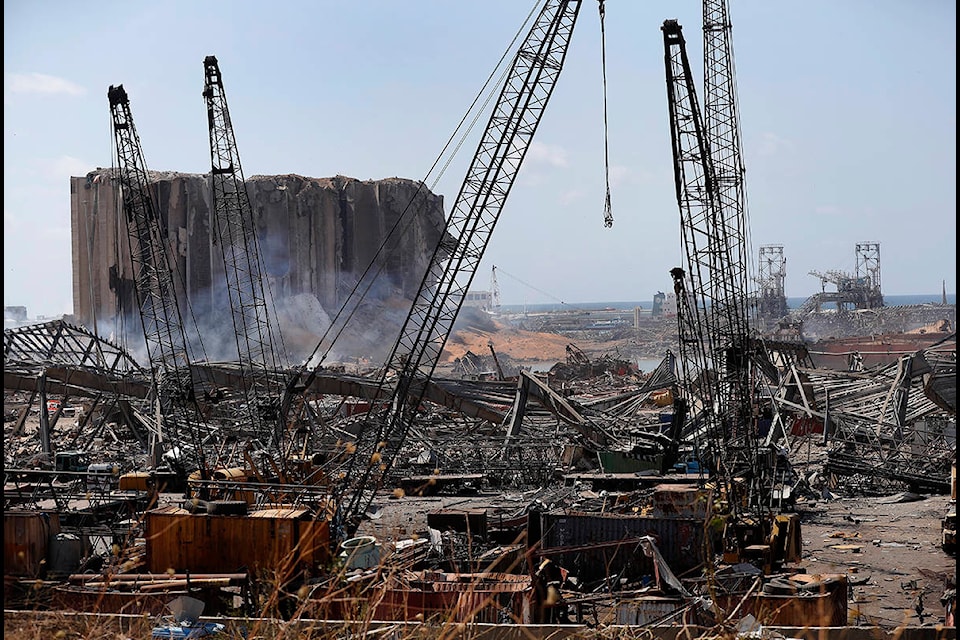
(155, 285)
(717, 334)
(722, 128)
(513, 122)
(236, 233)
(729, 280)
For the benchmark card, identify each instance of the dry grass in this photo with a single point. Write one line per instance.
(302, 624)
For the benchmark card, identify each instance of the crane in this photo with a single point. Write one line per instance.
(494, 290)
(237, 236)
(179, 416)
(721, 119)
(723, 364)
(843, 281)
(713, 321)
(526, 90)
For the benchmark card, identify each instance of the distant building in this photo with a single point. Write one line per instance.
(657, 309)
(482, 300)
(664, 305)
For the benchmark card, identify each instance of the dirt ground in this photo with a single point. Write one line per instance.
(518, 344)
(530, 349)
(889, 548)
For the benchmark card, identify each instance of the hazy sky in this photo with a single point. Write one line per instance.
(848, 118)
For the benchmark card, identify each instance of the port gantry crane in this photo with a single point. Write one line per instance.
(247, 296)
(179, 419)
(527, 88)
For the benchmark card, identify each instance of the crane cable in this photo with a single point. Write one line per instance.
(607, 210)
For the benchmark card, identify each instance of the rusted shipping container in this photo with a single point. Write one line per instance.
(26, 542)
(681, 541)
(278, 541)
(485, 597)
(821, 602)
(497, 598)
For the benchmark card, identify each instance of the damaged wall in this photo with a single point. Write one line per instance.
(317, 237)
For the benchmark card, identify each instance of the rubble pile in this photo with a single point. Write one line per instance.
(576, 495)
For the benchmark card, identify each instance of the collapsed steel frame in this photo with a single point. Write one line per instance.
(888, 428)
(69, 361)
(883, 424)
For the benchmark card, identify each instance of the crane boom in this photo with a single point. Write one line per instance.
(155, 287)
(722, 126)
(717, 299)
(236, 233)
(513, 122)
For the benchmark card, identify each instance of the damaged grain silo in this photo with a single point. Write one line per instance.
(317, 237)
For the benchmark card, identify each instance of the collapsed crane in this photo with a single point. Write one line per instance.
(179, 419)
(247, 297)
(413, 359)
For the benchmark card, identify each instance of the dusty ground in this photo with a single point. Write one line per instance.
(889, 549)
(524, 348)
(514, 343)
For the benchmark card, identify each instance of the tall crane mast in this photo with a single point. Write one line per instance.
(413, 359)
(237, 236)
(721, 117)
(721, 120)
(716, 295)
(166, 341)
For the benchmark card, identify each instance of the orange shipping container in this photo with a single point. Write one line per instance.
(278, 542)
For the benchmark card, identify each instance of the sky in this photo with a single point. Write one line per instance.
(847, 116)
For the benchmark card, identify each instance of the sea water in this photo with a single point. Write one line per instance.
(792, 303)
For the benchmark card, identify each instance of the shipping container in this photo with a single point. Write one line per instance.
(277, 542)
(497, 598)
(584, 543)
(26, 542)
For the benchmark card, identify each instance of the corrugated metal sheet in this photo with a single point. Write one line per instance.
(648, 610)
(827, 609)
(493, 583)
(681, 541)
(26, 541)
(280, 514)
(202, 543)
